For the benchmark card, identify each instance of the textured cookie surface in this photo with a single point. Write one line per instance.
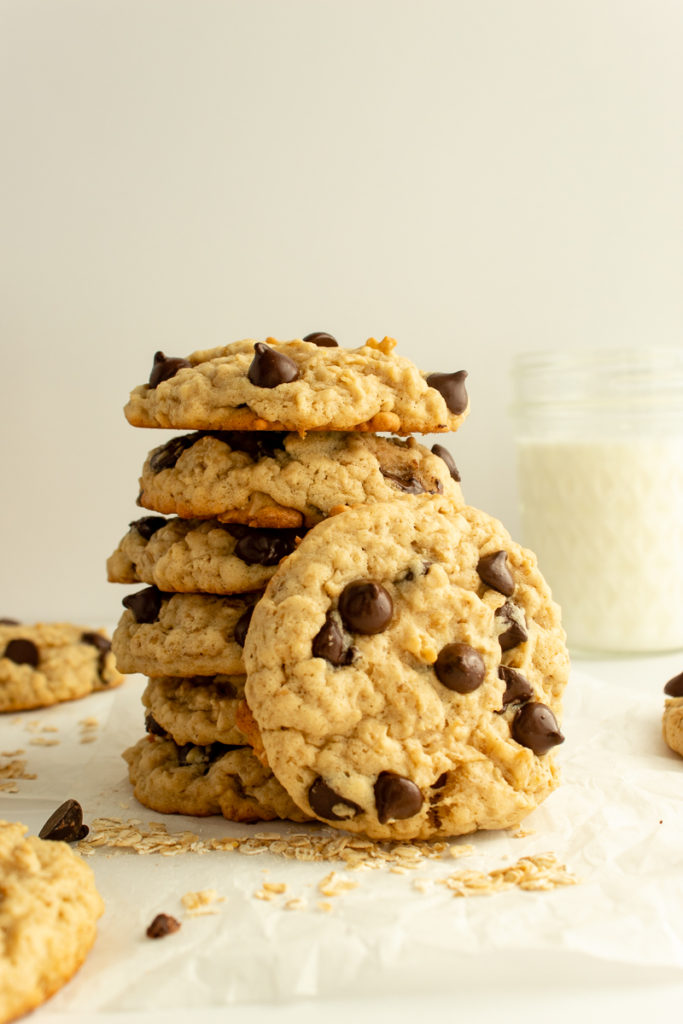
(49, 908)
(405, 668)
(199, 710)
(198, 555)
(163, 634)
(49, 662)
(672, 724)
(297, 385)
(283, 480)
(202, 780)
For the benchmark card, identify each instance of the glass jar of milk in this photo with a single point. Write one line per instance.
(600, 467)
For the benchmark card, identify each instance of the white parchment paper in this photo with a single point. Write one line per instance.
(616, 822)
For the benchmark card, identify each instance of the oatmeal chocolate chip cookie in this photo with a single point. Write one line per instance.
(283, 480)
(672, 722)
(204, 780)
(162, 634)
(49, 908)
(405, 668)
(199, 555)
(200, 710)
(298, 385)
(50, 662)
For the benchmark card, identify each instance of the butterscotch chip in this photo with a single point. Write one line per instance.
(49, 908)
(298, 385)
(374, 672)
(50, 662)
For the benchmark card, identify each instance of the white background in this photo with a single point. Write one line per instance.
(475, 178)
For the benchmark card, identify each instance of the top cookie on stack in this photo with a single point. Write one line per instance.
(299, 385)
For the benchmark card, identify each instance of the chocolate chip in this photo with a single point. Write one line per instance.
(674, 688)
(405, 481)
(258, 444)
(518, 689)
(65, 824)
(9, 622)
(331, 644)
(452, 387)
(242, 625)
(445, 456)
(265, 547)
(145, 604)
(441, 781)
(535, 727)
(164, 368)
(162, 925)
(494, 572)
(184, 751)
(269, 368)
(22, 652)
(322, 339)
(513, 625)
(460, 668)
(365, 607)
(169, 453)
(396, 797)
(102, 644)
(148, 525)
(330, 805)
(153, 727)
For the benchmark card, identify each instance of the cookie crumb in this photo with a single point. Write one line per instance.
(162, 925)
(198, 902)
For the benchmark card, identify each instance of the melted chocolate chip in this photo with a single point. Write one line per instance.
(452, 387)
(460, 668)
(162, 925)
(325, 803)
(102, 644)
(674, 688)
(405, 481)
(396, 797)
(518, 689)
(22, 652)
(365, 607)
(258, 444)
(169, 453)
(535, 726)
(494, 572)
(270, 368)
(265, 547)
(148, 525)
(9, 622)
(145, 604)
(65, 824)
(445, 456)
(242, 625)
(331, 644)
(164, 368)
(322, 339)
(441, 781)
(153, 727)
(514, 630)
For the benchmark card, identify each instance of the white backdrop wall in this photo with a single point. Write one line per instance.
(474, 177)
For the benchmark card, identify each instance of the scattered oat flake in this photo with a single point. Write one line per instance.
(43, 741)
(540, 872)
(333, 884)
(8, 787)
(199, 902)
(89, 722)
(326, 907)
(11, 753)
(15, 769)
(295, 904)
(49, 728)
(522, 833)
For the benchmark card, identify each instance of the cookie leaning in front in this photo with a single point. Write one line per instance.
(298, 386)
(49, 908)
(405, 668)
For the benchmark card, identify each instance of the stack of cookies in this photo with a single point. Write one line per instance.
(283, 437)
(328, 631)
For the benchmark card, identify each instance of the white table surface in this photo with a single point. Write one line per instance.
(555, 987)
